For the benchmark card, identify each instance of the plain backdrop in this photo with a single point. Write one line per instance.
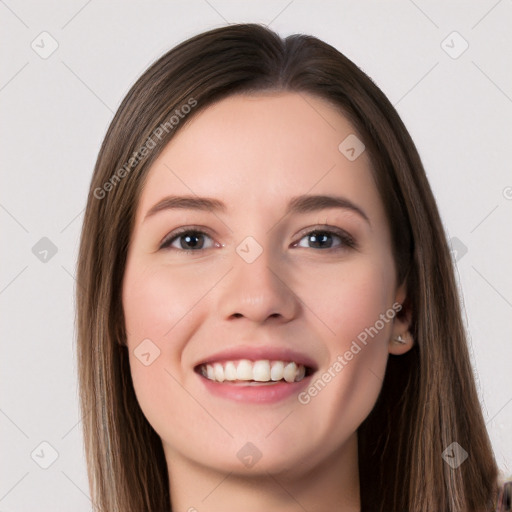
(446, 66)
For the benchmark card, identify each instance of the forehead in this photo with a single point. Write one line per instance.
(261, 149)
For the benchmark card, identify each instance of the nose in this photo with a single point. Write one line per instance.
(258, 291)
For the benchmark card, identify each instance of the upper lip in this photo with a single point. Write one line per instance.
(253, 353)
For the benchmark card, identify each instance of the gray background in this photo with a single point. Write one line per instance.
(55, 112)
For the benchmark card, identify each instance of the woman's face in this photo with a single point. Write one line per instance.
(270, 277)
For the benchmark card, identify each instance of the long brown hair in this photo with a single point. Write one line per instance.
(428, 399)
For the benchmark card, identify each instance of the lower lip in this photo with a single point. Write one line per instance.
(262, 394)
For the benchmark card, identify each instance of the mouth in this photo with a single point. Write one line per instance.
(261, 372)
(250, 374)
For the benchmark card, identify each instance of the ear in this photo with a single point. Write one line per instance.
(401, 323)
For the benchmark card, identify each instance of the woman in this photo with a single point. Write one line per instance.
(267, 314)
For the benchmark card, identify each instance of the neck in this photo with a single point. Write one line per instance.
(331, 485)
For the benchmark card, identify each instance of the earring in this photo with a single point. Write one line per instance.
(399, 339)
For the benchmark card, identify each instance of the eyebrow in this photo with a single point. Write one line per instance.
(298, 204)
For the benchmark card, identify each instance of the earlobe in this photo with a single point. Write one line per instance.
(401, 338)
(401, 343)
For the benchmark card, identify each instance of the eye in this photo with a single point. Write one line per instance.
(326, 239)
(188, 240)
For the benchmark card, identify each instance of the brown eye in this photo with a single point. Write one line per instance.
(186, 240)
(327, 239)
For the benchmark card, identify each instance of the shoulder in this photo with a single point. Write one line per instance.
(504, 500)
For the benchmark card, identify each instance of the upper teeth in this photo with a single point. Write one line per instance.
(260, 371)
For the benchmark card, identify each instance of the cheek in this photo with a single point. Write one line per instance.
(153, 303)
(349, 300)
(357, 317)
(156, 307)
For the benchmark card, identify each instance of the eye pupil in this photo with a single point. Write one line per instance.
(318, 239)
(190, 239)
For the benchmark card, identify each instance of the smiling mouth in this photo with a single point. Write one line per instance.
(245, 372)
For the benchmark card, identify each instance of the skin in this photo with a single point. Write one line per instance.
(254, 153)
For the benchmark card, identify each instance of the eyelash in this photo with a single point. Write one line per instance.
(347, 241)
